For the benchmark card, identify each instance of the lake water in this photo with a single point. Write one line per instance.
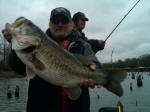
(137, 100)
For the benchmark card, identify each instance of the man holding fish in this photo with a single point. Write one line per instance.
(61, 77)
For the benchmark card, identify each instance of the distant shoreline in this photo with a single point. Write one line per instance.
(9, 74)
(138, 69)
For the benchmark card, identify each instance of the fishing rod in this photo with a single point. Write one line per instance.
(121, 21)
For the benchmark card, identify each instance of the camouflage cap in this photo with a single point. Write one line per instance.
(60, 11)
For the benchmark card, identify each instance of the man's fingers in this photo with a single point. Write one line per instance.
(7, 35)
(85, 83)
(4, 30)
(91, 83)
(101, 44)
(93, 67)
(98, 85)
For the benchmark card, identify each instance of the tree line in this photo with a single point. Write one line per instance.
(4, 51)
(141, 61)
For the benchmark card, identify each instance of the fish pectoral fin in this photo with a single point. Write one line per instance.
(84, 60)
(30, 73)
(73, 93)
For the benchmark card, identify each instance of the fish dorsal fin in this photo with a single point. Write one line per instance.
(30, 73)
(84, 60)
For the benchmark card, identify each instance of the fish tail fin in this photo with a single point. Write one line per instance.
(115, 77)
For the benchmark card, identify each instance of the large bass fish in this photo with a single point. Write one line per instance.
(51, 62)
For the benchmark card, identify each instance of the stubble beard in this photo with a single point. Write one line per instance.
(62, 37)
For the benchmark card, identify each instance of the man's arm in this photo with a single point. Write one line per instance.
(96, 44)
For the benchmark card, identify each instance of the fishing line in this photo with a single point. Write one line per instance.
(121, 21)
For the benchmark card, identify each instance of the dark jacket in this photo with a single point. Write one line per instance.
(45, 97)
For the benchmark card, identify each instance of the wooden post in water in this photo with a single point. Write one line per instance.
(111, 58)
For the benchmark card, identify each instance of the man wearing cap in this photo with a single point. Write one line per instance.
(45, 97)
(80, 20)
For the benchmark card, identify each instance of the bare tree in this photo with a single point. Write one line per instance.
(4, 51)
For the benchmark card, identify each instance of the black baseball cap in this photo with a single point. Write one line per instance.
(79, 15)
(60, 11)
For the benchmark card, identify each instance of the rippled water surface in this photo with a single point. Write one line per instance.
(13, 104)
(137, 100)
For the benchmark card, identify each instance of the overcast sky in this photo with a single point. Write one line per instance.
(131, 38)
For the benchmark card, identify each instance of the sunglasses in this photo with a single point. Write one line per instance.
(60, 20)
